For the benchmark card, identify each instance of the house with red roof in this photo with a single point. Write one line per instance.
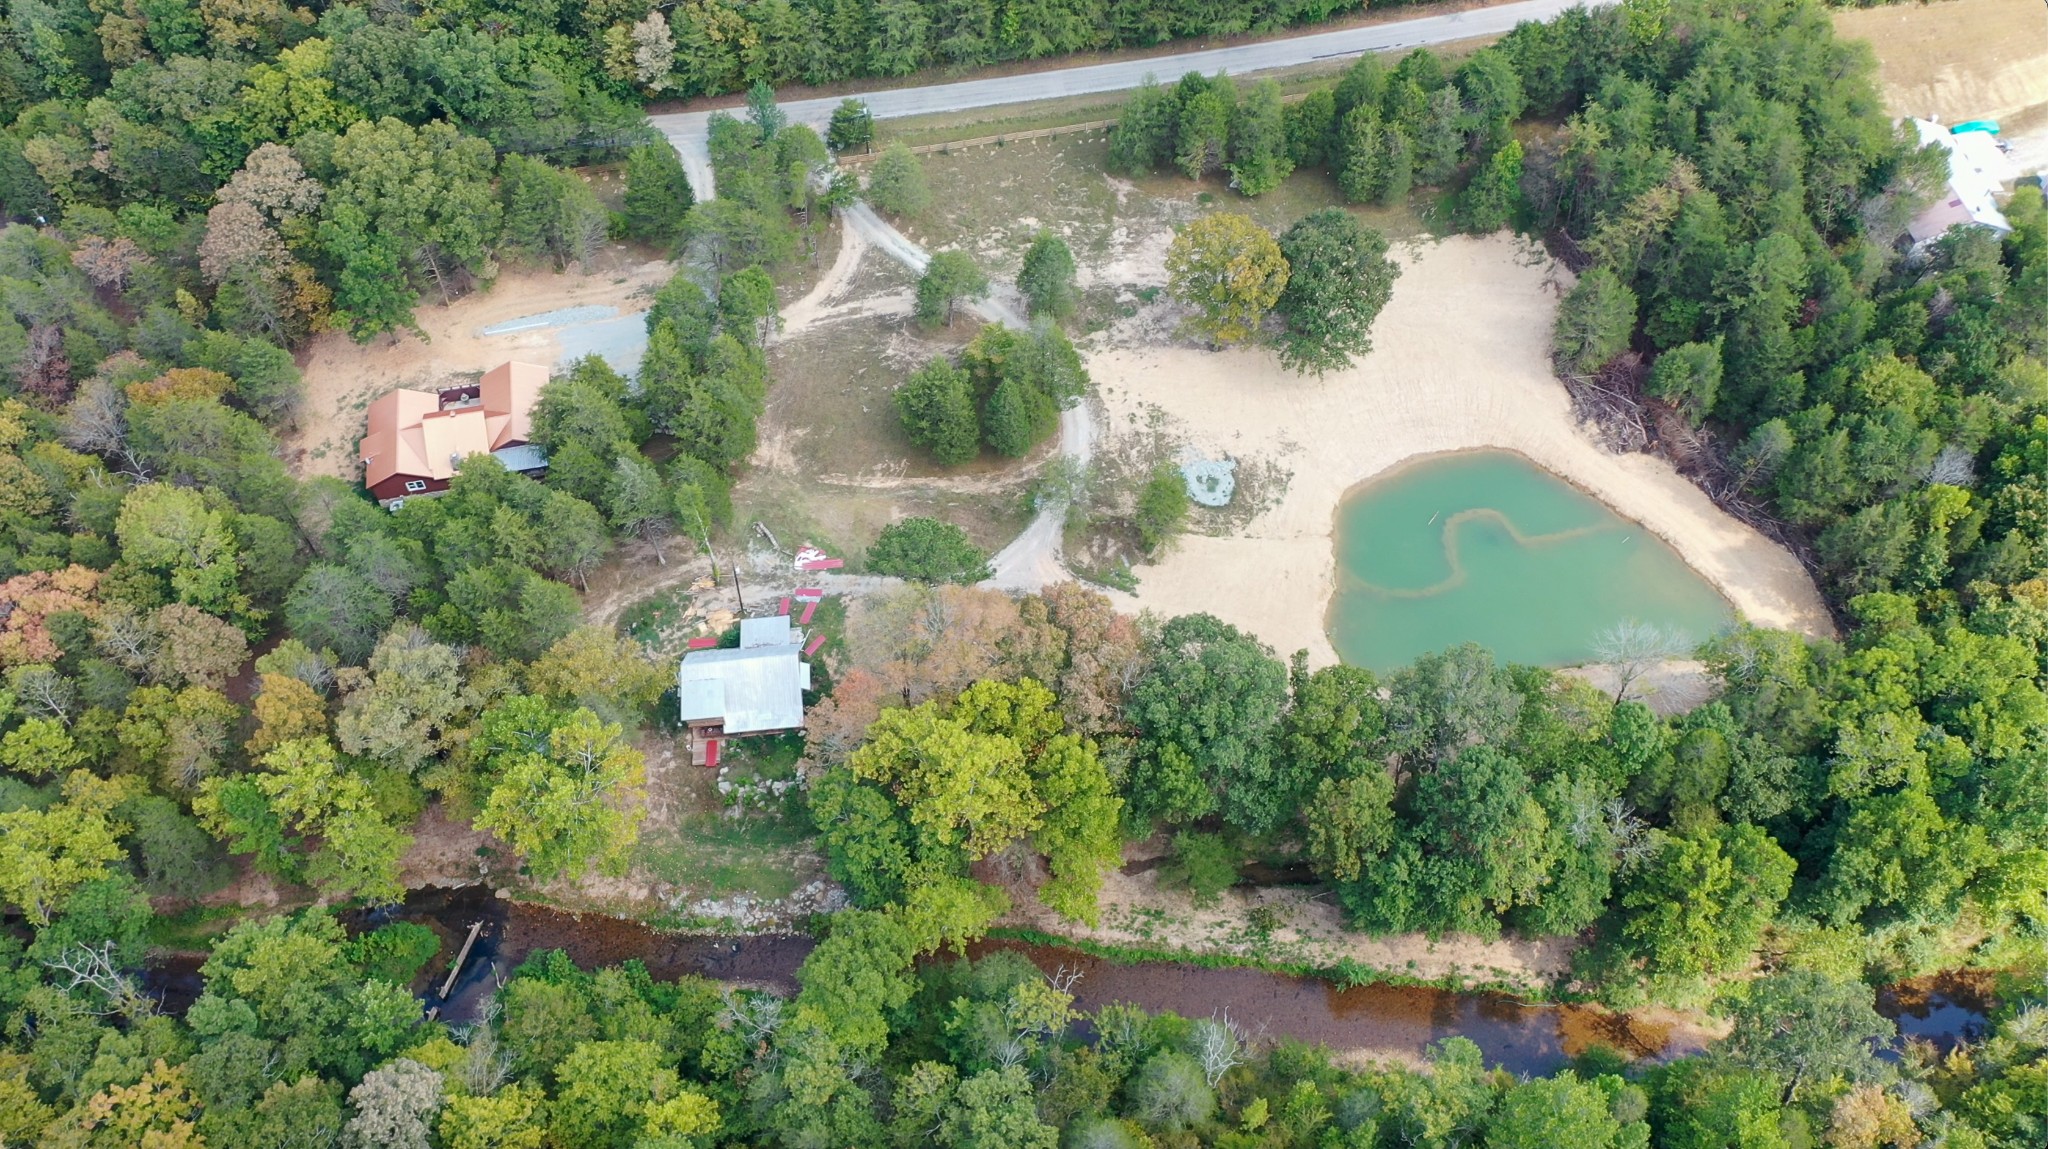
(417, 440)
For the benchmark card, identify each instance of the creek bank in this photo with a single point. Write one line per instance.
(1396, 1022)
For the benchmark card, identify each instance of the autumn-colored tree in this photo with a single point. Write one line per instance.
(923, 642)
(401, 709)
(180, 383)
(1105, 655)
(28, 600)
(193, 648)
(593, 664)
(286, 709)
(1230, 270)
(840, 720)
(156, 1112)
(178, 735)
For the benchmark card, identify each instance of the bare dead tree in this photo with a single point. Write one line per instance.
(1631, 647)
(1630, 835)
(1064, 979)
(756, 1015)
(94, 967)
(1219, 1046)
(96, 422)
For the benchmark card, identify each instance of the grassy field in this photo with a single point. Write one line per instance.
(715, 856)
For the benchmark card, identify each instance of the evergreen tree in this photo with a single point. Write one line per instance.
(1259, 158)
(1047, 277)
(936, 405)
(658, 197)
(896, 182)
(1494, 197)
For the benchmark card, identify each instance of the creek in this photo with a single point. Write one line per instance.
(1386, 1021)
(1487, 547)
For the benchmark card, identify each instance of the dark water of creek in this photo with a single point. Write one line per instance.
(1378, 1020)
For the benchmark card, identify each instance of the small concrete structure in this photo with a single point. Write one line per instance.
(1978, 171)
(756, 688)
(1210, 482)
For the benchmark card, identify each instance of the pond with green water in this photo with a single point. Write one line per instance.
(1487, 547)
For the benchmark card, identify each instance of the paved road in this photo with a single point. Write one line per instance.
(686, 129)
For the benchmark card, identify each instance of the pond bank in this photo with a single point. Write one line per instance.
(1460, 361)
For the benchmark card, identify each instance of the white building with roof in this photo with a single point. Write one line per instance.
(1977, 174)
(755, 688)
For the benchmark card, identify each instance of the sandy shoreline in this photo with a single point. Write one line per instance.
(1460, 361)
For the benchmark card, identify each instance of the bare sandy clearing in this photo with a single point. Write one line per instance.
(1138, 911)
(1460, 362)
(1959, 59)
(342, 376)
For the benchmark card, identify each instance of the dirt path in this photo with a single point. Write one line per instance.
(1033, 559)
(1460, 361)
(814, 307)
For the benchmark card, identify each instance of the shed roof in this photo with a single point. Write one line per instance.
(750, 690)
(1977, 171)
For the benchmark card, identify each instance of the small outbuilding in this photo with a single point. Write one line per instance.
(1978, 171)
(754, 688)
(417, 440)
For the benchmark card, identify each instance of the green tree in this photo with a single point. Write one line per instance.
(996, 1109)
(1560, 1110)
(950, 277)
(1806, 1027)
(1594, 323)
(1493, 199)
(1476, 847)
(1201, 139)
(426, 191)
(1047, 277)
(1212, 696)
(1338, 280)
(1362, 173)
(578, 801)
(548, 213)
(896, 182)
(658, 198)
(1259, 160)
(852, 126)
(1162, 511)
(762, 112)
(1688, 377)
(334, 608)
(936, 405)
(1143, 138)
(746, 304)
(45, 854)
(927, 550)
(1698, 905)
(1230, 270)
(302, 794)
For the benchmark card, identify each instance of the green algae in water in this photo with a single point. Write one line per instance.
(1487, 547)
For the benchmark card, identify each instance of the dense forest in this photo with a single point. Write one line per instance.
(196, 190)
